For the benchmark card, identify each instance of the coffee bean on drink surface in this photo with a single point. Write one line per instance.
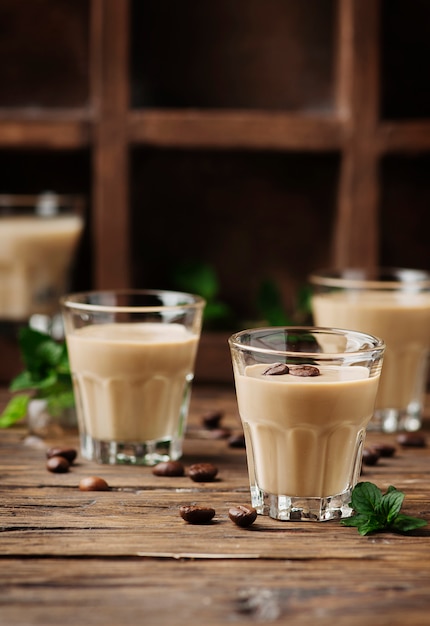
(194, 514)
(242, 515)
(168, 468)
(57, 465)
(202, 472)
(412, 440)
(276, 369)
(93, 483)
(304, 370)
(68, 453)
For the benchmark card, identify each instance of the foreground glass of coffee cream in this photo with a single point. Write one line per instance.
(304, 434)
(132, 356)
(393, 304)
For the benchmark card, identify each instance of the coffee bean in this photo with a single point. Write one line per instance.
(93, 483)
(304, 370)
(212, 419)
(168, 468)
(67, 453)
(57, 464)
(202, 472)
(242, 515)
(276, 369)
(384, 449)
(219, 433)
(370, 456)
(237, 441)
(413, 440)
(194, 514)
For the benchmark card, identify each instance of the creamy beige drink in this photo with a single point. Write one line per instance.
(402, 319)
(131, 379)
(303, 432)
(35, 257)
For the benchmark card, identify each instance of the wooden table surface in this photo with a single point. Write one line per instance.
(125, 556)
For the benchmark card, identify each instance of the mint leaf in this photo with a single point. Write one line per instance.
(270, 305)
(39, 352)
(24, 380)
(405, 523)
(375, 511)
(49, 353)
(365, 524)
(63, 365)
(391, 504)
(366, 498)
(15, 410)
(46, 374)
(60, 401)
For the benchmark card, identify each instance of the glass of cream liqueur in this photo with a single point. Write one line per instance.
(393, 304)
(305, 397)
(132, 356)
(38, 245)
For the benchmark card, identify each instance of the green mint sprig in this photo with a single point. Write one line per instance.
(46, 375)
(375, 511)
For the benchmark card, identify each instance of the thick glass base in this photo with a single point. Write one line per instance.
(142, 453)
(395, 420)
(292, 508)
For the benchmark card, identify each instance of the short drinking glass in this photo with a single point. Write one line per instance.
(305, 396)
(132, 356)
(393, 304)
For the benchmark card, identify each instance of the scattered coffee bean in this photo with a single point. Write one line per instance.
(384, 449)
(219, 433)
(202, 472)
(194, 514)
(67, 453)
(412, 440)
(168, 468)
(370, 456)
(242, 515)
(93, 483)
(57, 464)
(237, 441)
(276, 369)
(304, 370)
(212, 419)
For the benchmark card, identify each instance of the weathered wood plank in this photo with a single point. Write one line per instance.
(356, 227)
(124, 555)
(235, 129)
(125, 591)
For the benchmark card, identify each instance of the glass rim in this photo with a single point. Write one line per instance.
(378, 343)
(73, 301)
(380, 277)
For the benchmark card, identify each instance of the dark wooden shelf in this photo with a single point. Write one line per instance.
(408, 136)
(53, 130)
(235, 129)
(290, 129)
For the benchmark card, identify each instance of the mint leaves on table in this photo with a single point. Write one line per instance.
(375, 511)
(46, 375)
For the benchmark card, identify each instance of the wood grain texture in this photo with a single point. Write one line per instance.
(253, 130)
(356, 236)
(110, 159)
(34, 132)
(120, 556)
